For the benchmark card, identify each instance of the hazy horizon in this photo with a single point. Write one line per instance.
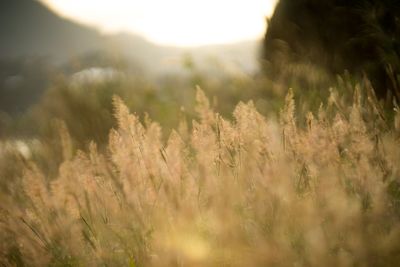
(184, 23)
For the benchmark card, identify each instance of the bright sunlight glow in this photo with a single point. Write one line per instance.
(173, 22)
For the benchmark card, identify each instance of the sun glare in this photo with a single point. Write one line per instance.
(173, 22)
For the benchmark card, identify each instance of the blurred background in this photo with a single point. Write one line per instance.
(65, 59)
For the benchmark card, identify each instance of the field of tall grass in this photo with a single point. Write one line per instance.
(288, 188)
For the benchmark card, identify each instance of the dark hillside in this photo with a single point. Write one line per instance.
(337, 35)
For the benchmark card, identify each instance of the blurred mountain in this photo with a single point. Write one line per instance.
(161, 60)
(28, 28)
(36, 44)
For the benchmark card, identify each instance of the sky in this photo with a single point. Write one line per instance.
(173, 22)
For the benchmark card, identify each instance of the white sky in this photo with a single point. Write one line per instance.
(173, 22)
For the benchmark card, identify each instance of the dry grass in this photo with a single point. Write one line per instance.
(251, 191)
